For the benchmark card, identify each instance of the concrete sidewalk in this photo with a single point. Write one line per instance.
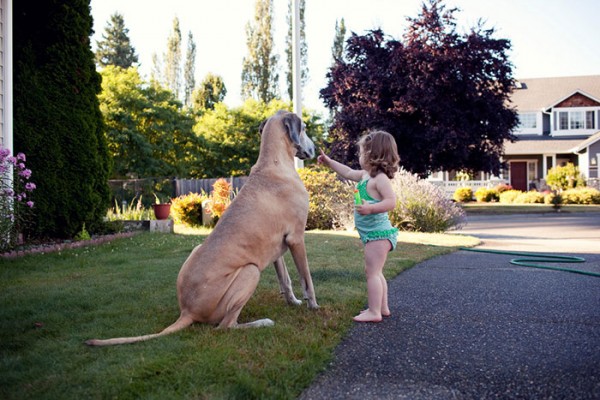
(472, 326)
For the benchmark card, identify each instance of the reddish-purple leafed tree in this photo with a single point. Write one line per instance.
(443, 95)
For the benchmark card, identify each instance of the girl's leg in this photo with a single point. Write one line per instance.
(375, 256)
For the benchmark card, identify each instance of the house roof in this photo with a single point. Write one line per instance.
(536, 94)
(548, 145)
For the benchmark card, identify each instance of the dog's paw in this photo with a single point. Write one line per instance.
(294, 302)
(312, 304)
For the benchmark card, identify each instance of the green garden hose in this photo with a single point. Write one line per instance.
(540, 258)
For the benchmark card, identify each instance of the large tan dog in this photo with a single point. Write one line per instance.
(266, 218)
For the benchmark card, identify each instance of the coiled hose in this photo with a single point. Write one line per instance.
(540, 258)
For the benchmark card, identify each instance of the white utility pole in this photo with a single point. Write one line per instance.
(296, 81)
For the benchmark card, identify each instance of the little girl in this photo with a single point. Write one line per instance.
(378, 158)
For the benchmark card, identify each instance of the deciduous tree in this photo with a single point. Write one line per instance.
(443, 95)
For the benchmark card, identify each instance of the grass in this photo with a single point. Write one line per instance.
(51, 303)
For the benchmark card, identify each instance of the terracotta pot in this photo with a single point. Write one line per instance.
(162, 211)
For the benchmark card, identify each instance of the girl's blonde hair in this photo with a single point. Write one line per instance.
(380, 153)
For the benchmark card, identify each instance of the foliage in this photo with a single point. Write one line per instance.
(147, 132)
(337, 50)
(172, 72)
(289, 48)
(509, 196)
(189, 71)
(530, 197)
(219, 199)
(15, 197)
(212, 90)
(259, 67)
(57, 120)
(232, 139)
(443, 95)
(422, 206)
(115, 47)
(127, 287)
(330, 200)
(581, 195)
(564, 177)
(83, 234)
(502, 187)
(187, 209)
(135, 211)
(487, 195)
(463, 194)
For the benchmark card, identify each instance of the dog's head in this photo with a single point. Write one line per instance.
(295, 129)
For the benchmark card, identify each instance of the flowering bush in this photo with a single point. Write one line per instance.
(423, 207)
(15, 201)
(219, 199)
(463, 194)
(486, 195)
(330, 200)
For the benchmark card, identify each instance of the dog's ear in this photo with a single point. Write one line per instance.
(262, 126)
(293, 125)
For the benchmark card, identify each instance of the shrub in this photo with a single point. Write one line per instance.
(565, 177)
(581, 195)
(219, 199)
(486, 195)
(531, 197)
(422, 207)
(330, 200)
(463, 194)
(509, 196)
(187, 209)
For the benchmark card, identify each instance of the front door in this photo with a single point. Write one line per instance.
(518, 175)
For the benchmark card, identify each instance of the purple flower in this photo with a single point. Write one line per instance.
(26, 173)
(29, 186)
(21, 157)
(30, 204)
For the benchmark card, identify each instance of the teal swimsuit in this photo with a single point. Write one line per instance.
(373, 226)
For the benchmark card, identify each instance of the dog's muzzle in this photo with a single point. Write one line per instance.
(306, 149)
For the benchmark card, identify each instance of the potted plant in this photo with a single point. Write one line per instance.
(161, 210)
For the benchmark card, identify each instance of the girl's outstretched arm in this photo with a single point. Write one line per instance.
(343, 170)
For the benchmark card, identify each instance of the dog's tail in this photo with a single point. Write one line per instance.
(183, 322)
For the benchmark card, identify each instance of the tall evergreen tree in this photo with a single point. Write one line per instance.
(173, 60)
(337, 50)
(115, 47)
(189, 70)
(303, 49)
(259, 68)
(57, 121)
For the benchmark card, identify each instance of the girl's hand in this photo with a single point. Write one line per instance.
(364, 208)
(323, 158)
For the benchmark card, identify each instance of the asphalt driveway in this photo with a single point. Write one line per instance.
(473, 326)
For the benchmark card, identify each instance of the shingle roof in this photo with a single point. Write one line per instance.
(542, 93)
(548, 145)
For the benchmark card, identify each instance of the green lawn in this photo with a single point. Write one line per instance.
(51, 303)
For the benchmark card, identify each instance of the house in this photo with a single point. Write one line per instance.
(559, 124)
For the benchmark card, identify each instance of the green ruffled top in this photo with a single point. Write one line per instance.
(373, 226)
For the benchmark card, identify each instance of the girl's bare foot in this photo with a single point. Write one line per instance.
(383, 313)
(367, 316)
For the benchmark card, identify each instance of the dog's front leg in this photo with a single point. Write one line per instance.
(298, 250)
(285, 283)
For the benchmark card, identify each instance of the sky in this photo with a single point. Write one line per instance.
(549, 38)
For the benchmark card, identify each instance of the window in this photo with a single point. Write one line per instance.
(590, 119)
(563, 120)
(528, 121)
(576, 118)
